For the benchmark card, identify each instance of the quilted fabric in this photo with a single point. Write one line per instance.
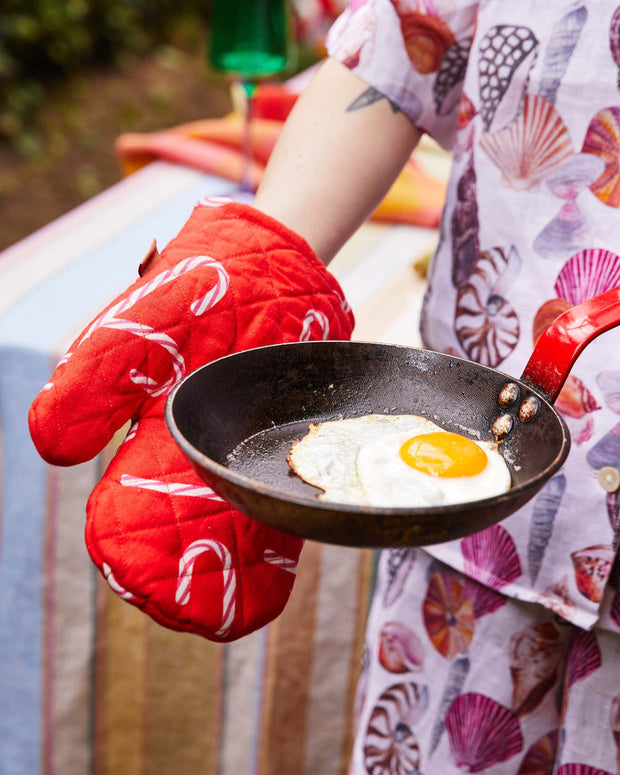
(232, 279)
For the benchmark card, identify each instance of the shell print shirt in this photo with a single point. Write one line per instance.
(526, 95)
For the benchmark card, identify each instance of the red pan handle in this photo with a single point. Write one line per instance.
(559, 345)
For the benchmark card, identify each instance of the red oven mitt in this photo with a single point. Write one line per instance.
(231, 280)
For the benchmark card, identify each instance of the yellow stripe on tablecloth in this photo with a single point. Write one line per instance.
(121, 684)
(182, 704)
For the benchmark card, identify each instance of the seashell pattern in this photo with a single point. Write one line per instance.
(575, 400)
(490, 556)
(614, 611)
(540, 757)
(613, 512)
(614, 724)
(584, 657)
(535, 656)
(454, 683)
(564, 234)
(450, 75)
(561, 45)
(400, 649)
(606, 452)
(592, 568)
(546, 314)
(465, 226)
(546, 505)
(399, 563)
(484, 599)
(532, 148)
(614, 40)
(587, 274)
(503, 51)
(609, 383)
(485, 324)
(426, 39)
(581, 769)
(603, 140)
(575, 176)
(482, 732)
(448, 614)
(390, 744)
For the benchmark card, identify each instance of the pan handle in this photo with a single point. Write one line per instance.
(559, 345)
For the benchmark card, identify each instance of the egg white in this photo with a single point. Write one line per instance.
(357, 461)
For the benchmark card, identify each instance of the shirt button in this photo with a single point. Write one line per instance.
(609, 478)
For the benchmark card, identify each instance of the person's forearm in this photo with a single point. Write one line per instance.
(339, 152)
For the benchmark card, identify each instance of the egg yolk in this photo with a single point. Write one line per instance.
(444, 455)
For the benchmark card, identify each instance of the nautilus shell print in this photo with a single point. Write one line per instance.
(448, 614)
(603, 140)
(535, 656)
(559, 51)
(540, 757)
(506, 54)
(485, 323)
(491, 557)
(482, 732)
(390, 743)
(533, 147)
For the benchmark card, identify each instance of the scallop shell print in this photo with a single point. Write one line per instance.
(390, 744)
(426, 39)
(490, 556)
(535, 655)
(482, 732)
(540, 757)
(506, 54)
(485, 324)
(564, 37)
(448, 614)
(448, 83)
(565, 233)
(532, 148)
(586, 274)
(484, 599)
(614, 611)
(400, 649)
(581, 769)
(614, 40)
(584, 657)
(603, 140)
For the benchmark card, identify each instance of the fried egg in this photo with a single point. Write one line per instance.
(397, 461)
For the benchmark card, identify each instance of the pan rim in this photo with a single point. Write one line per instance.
(236, 479)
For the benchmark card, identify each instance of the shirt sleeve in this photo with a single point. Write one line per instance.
(414, 52)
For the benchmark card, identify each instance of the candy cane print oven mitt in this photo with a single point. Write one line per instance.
(231, 280)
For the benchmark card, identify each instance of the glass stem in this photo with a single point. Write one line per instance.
(247, 178)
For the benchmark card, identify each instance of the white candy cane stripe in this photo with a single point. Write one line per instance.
(314, 316)
(344, 304)
(186, 570)
(210, 299)
(131, 433)
(64, 359)
(170, 488)
(285, 563)
(114, 585)
(213, 201)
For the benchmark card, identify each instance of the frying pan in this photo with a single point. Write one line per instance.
(236, 418)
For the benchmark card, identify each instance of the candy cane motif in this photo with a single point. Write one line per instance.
(285, 563)
(110, 318)
(114, 585)
(170, 488)
(312, 316)
(186, 570)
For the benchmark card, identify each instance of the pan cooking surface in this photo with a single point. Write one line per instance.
(236, 419)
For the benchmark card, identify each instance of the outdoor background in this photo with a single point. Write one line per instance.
(76, 73)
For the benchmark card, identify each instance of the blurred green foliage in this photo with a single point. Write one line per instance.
(45, 41)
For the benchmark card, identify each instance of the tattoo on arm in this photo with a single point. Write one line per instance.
(369, 97)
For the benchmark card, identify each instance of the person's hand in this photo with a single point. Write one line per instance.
(231, 280)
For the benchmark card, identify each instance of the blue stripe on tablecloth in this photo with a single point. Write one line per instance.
(21, 566)
(71, 297)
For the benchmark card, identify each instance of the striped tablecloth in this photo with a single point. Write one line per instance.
(87, 683)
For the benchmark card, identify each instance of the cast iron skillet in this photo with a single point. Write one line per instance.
(236, 418)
